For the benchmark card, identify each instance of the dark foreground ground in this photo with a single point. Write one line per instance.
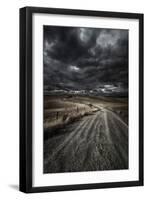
(98, 141)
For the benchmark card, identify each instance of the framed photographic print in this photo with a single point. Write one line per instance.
(81, 99)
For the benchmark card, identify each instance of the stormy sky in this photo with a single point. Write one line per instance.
(80, 58)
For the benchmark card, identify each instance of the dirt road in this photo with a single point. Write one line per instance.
(96, 142)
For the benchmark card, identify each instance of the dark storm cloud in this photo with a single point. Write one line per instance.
(85, 58)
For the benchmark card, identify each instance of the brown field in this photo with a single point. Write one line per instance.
(61, 110)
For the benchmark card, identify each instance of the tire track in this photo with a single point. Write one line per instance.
(96, 143)
(107, 128)
(88, 139)
(111, 120)
(89, 131)
(72, 135)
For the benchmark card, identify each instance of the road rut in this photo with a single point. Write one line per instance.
(96, 142)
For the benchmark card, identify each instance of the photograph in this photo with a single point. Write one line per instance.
(81, 99)
(85, 99)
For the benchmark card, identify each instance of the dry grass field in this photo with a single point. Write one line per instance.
(61, 110)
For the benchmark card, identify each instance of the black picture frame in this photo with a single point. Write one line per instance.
(26, 170)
